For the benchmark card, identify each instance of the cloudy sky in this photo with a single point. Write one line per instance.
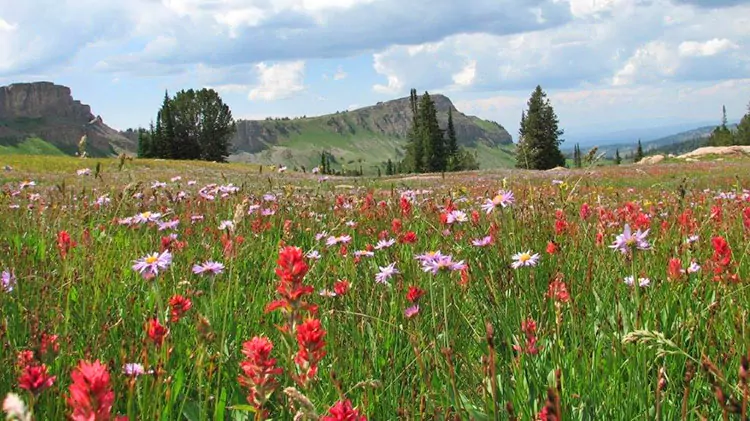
(607, 64)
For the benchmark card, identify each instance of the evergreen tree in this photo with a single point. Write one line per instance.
(379, 174)
(165, 146)
(638, 152)
(414, 160)
(323, 169)
(454, 163)
(389, 170)
(144, 142)
(742, 137)
(618, 160)
(721, 136)
(432, 136)
(539, 135)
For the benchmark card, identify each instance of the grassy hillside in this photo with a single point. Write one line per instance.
(365, 137)
(29, 146)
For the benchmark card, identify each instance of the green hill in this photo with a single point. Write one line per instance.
(365, 137)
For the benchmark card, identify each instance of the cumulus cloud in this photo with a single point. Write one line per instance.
(610, 42)
(278, 81)
(340, 74)
(713, 3)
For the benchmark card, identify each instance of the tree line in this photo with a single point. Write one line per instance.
(193, 125)
(724, 136)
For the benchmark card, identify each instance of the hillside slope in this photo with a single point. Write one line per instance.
(48, 113)
(675, 144)
(367, 136)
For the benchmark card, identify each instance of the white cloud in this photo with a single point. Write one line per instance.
(467, 75)
(5, 26)
(705, 49)
(340, 74)
(278, 81)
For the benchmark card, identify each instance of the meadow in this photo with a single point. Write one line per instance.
(159, 290)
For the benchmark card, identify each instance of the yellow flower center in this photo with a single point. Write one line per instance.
(525, 257)
(151, 259)
(498, 199)
(146, 214)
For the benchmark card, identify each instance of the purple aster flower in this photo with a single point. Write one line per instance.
(386, 272)
(444, 262)
(267, 212)
(363, 253)
(133, 370)
(158, 184)
(319, 236)
(226, 225)
(382, 244)
(84, 172)
(524, 259)
(627, 240)
(169, 225)
(503, 198)
(7, 281)
(642, 282)
(332, 241)
(196, 218)
(411, 311)
(208, 268)
(482, 242)
(430, 255)
(313, 254)
(150, 265)
(693, 268)
(457, 216)
(145, 217)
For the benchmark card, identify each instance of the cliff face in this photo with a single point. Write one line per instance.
(48, 111)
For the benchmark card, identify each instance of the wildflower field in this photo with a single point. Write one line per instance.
(152, 290)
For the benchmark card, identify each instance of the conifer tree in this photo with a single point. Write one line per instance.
(638, 152)
(721, 136)
(742, 137)
(618, 160)
(539, 135)
(454, 162)
(432, 137)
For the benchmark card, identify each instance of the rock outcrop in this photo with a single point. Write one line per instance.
(48, 111)
(651, 160)
(738, 151)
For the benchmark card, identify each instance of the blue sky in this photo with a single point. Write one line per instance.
(606, 64)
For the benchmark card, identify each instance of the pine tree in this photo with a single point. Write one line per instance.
(742, 137)
(721, 136)
(323, 169)
(618, 160)
(432, 137)
(144, 142)
(638, 152)
(454, 162)
(389, 170)
(539, 135)
(166, 146)
(414, 160)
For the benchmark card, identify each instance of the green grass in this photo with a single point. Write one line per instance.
(601, 352)
(30, 146)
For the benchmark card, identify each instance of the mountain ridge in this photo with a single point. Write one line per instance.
(48, 111)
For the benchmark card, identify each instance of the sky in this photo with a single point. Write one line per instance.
(607, 65)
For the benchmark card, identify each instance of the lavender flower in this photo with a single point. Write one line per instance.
(411, 311)
(208, 268)
(642, 282)
(150, 265)
(524, 259)
(444, 262)
(626, 241)
(133, 370)
(313, 254)
(693, 268)
(7, 281)
(332, 241)
(168, 225)
(383, 244)
(503, 198)
(482, 242)
(386, 272)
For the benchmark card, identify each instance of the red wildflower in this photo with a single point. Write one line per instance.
(528, 327)
(405, 206)
(310, 336)
(414, 294)
(64, 243)
(291, 269)
(396, 226)
(172, 244)
(674, 269)
(341, 287)
(343, 411)
(686, 221)
(585, 211)
(91, 394)
(474, 217)
(464, 276)
(49, 344)
(259, 370)
(558, 291)
(599, 238)
(746, 218)
(716, 214)
(722, 252)
(179, 305)
(408, 238)
(156, 331)
(24, 358)
(35, 378)
(552, 247)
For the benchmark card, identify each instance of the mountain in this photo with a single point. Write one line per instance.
(684, 141)
(367, 136)
(42, 116)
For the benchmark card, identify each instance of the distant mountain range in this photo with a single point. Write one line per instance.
(678, 143)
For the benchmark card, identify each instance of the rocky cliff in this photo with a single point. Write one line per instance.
(48, 111)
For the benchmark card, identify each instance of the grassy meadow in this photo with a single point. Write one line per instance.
(162, 290)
